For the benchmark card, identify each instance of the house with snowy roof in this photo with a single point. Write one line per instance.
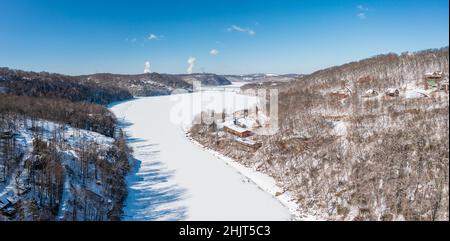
(433, 80)
(7, 200)
(237, 130)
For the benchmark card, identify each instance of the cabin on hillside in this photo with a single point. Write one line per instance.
(433, 80)
(7, 203)
(342, 93)
(435, 75)
(393, 92)
(370, 93)
(237, 131)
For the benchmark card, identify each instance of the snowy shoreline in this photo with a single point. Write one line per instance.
(262, 181)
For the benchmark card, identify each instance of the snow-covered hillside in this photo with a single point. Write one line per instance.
(367, 140)
(59, 173)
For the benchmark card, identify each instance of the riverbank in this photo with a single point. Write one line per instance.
(263, 181)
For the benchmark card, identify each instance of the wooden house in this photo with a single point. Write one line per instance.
(392, 92)
(237, 131)
(7, 200)
(433, 80)
(370, 93)
(4, 203)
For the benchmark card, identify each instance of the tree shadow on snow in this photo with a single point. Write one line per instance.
(150, 196)
(123, 124)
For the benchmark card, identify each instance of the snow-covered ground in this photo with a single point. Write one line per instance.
(175, 179)
(73, 137)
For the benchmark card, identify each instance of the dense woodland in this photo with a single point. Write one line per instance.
(62, 155)
(153, 84)
(81, 115)
(43, 84)
(55, 172)
(345, 155)
(101, 88)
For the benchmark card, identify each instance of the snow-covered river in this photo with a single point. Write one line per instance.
(173, 178)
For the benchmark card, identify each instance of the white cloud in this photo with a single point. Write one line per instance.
(214, 52)
(191, 64)
(147, 67)
(361, 15)
(362, 10)
(235, 28)
(152, 37)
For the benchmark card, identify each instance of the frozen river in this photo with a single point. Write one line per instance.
(174, 179)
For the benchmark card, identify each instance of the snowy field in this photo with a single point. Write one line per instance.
(175, 179)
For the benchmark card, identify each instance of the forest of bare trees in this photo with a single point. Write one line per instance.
(62, 155)
(63, 174)
(81, 115)
(345, 155)
(43, 84)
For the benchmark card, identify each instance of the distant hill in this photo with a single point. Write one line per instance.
(152, 84)
(386, 70)
(49, 85)
(263, 77)
(205, 78)
(99, 88)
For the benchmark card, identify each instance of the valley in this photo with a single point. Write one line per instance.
(367, 140)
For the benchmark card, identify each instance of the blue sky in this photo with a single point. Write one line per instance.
(225, 37)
